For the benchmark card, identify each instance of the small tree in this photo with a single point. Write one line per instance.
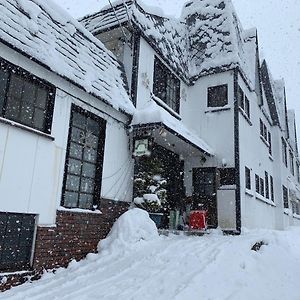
(149, 185)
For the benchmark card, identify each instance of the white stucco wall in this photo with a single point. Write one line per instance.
(32, 166)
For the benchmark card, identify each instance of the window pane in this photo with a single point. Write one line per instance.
(91, 141)
(70, 199)
(29, 92)
(76, 150)
(3, 85)
(39, 118)
(88, 170)
(217, 96)
(79, 120)
(90, 155)
(26, 113)
(85, 201)
(78, 135)
(13, 108)
(93, 126)
(73, 183)
(41, 98)
(74, 166)
(87, 185)
(15, 87)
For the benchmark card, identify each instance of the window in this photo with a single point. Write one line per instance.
(227, 176)
(240, 96)
(83, 171)
(248, 178)
(16, 240)
(298, 171)
(270, 142)
(263, 131)
(272, 188)
(247, 107)
(267, 185)
(257, 184)
(284, 151)
(262, 188)
(243, 102)
(166, 86)
(25, 99)
(217, 96)
(292, 162)
(295, 207)
(285, 197)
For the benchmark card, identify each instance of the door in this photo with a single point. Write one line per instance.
(205, 193)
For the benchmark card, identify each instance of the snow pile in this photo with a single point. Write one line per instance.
(212, 267)
(132, 227)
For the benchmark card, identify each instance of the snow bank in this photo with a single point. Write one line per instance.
(132, 227)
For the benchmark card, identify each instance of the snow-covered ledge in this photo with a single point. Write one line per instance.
(265, 200)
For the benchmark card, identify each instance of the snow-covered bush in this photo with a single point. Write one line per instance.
(150, 186)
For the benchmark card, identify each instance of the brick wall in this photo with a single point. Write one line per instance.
(75, 235)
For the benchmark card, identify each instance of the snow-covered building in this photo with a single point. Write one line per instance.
(210, 109)
(74, 115)
(64, 152)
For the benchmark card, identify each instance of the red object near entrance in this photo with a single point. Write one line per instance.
(198, 219)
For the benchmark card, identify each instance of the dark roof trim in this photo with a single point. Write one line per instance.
(173, 132)
(266, 83)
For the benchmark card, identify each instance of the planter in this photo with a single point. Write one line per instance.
(157, 219)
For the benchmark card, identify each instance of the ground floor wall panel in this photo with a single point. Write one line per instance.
(257, 214)
(75, 235)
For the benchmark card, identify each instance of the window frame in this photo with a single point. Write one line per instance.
(272, 188)
(247, 178)
(284, 151)
(285, 197)
(160, 86)
(99, 160)
(211, 91)
(27, 77)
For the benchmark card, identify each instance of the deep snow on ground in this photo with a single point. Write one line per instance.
(136, 263)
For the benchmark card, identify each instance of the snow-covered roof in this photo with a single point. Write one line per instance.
(207, 37)
(154, 114)
(48, 35)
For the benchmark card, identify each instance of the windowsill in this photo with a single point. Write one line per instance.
(295, 216)
(245, 116)
(227, 187)
(249, 192)
(165, 106)
(217, 109)
(271, 157)
(265, 200)
(264, 140)
(26, 128)
(79, 210)
(288, 212)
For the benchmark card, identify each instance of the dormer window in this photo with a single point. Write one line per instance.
(166, 86)
(217, 96)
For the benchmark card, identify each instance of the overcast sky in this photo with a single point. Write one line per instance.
(278, 24)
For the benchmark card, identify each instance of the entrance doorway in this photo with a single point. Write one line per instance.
(205, 193)
(171, 169)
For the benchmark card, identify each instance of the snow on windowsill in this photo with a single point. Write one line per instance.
(245, 116)
(27, 128)
(249, 192)
(14, 273)
(271, 157)
(165, 106)
(227, 187)
(79, 210)
(217, 109)
(288, 211)
(265, 200)
(296, 216)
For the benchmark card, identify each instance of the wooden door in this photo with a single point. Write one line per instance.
(205, 193)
